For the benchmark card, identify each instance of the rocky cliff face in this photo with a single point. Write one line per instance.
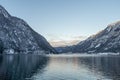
(107, 40)
(17, 36)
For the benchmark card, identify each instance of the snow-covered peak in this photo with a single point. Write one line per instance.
(4, 12)
(114, 24)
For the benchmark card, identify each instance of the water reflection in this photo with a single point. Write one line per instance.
(81, 68)
(106, 66)
(20, 67)
(36, 67)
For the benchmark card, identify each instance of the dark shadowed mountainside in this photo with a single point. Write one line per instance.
(17, 36)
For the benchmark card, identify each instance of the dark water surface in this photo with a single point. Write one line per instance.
(36, 67)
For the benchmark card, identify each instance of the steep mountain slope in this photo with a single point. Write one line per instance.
(17, 36)
(107, 40)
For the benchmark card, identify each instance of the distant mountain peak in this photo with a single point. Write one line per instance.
(114, 23)
(4, 12)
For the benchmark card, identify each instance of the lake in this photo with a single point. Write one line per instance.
(37, 67)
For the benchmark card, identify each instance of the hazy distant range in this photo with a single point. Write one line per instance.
(70, 42)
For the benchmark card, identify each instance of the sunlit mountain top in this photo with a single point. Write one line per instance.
(114, 23)
(66, 41)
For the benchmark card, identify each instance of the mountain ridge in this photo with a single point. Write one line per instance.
(107, 40)
(17, 36)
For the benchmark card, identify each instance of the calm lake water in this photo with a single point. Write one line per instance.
(36, 67)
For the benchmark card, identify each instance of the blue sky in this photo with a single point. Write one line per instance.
(65, 19)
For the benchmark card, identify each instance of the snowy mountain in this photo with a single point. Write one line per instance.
(64, 43)
(17, 36)
(107, 40)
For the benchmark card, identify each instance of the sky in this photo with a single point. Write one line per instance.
(65, 19)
